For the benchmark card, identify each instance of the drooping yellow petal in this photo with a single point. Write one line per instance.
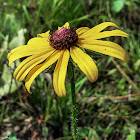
(39, 68)
(23, 53)
(60, 74)
(99, 28)
(25, 66)
(66, 25)
(82, 30)
(44, 35)
(19, 53)
(104, 47)
(35, 45)
(16, 49)
(104, 34)
(85, 63)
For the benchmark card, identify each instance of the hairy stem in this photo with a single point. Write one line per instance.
(73, 101)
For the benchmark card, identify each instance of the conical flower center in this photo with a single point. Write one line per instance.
(63, 39)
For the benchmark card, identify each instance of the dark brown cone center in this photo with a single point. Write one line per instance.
(63, 39)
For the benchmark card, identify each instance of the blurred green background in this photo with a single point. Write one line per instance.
(108, 109)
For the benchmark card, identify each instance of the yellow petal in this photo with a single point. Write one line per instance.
(85, 63)
(19, 53)
(104, 47)
(104, 34)
(66, 25)
(60, 74)
(25, 66)
(39, 68)
(103, 43)
(16, 49)
(23, 53)
(38, 41)
(59, 28)
(99, 28)
(82, 30)
(35, 45)
(44, 35)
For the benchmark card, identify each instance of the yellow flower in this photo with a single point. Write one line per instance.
(46, 49)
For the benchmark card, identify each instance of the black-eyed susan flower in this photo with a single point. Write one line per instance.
(45, 49)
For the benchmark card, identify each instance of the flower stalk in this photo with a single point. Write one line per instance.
(73, 100)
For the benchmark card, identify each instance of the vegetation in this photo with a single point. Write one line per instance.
(107, 109)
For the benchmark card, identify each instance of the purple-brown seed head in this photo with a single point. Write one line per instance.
(63, 39)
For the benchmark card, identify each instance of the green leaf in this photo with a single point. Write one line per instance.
(7, 82)
(137, 64)
(46, 132)
(131, 136)
(117, 5)
(83, 132)
(93, 135)
(13, 137)
(3, 53)
(111, 72)
(18, 40)
(10, 25)
(3, 50)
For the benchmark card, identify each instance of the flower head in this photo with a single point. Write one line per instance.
(63, 39)
(46, 49)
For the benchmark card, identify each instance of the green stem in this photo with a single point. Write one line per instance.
(73, 102)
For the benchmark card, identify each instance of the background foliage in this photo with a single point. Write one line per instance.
(106, 109)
